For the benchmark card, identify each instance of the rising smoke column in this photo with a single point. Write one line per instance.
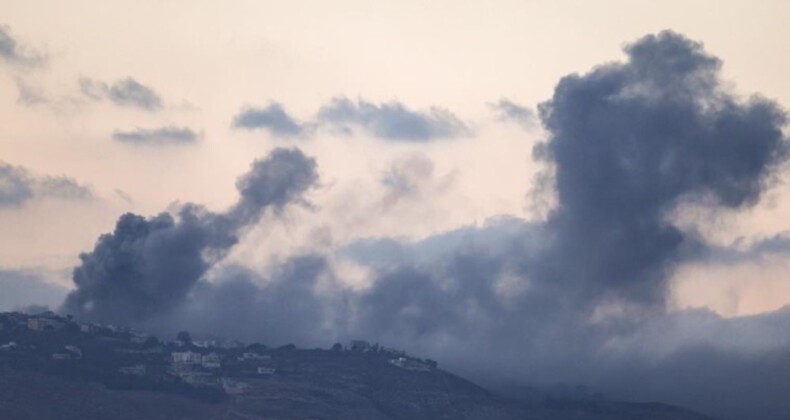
(629, 142)
(147, 266)
(582, 296)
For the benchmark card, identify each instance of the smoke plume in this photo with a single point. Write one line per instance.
(578, 298)
(147, 266)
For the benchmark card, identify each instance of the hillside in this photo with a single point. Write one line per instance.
(57, 368)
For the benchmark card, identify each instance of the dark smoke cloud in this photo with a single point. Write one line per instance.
(18, 186)
(157, 136)
(630, 142)
(27, 288)
(125, 92)
(287, 305)
(14, 53)
(147, 266)
(273, 118)
(753, 249)
(508, 110)
(582, 298)
(579, 298)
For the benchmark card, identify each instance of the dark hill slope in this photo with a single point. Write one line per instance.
(309, 385)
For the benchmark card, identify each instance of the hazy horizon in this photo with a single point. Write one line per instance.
(594, 193)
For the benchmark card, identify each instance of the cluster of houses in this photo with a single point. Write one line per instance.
(400, 360)
(224, 365)
(206, 369)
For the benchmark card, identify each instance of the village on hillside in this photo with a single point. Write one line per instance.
(127, 358)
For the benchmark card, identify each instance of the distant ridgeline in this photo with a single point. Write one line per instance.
(210, 370)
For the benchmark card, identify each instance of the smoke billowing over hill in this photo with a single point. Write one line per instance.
(580, 297)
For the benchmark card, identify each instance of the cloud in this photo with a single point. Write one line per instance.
(157, 136)
(389, 121)
(20, 60)
(147, 267)
(752, 249)
(21, 289)
(392, 120)
(18, 186)
(124, 196)
(16, 54)
(288, 303)
(28, 95)
(273, 118)
(412, 178)
(125, 92)
(509, 111)
(64, 188)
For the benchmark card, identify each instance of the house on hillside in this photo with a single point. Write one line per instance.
(90, 328)
(187, 357)
(199, 379)
(234, 387)
(264, 370)
(410, 364)
(9, 346)
(44, 324)
(232, 344)
(393, 351)
(75, 351)
(248, 356)
(211, 361)
(185, 361)
(360, 345)
(136, 370)
(204, 344)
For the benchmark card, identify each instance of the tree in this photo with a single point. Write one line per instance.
(151, 341)
(184, 337)
(337, 347)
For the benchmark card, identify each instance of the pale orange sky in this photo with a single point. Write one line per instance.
(208, 59)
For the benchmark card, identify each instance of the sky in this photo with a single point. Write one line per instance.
(521, 174)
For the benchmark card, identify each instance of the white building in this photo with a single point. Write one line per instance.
(187, 358)
(211, 361)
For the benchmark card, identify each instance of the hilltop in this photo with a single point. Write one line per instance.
(55, 367)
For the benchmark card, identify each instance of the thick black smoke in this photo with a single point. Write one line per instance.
(629, 143)
(29, 289)
(575, 298)
(148, 266)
